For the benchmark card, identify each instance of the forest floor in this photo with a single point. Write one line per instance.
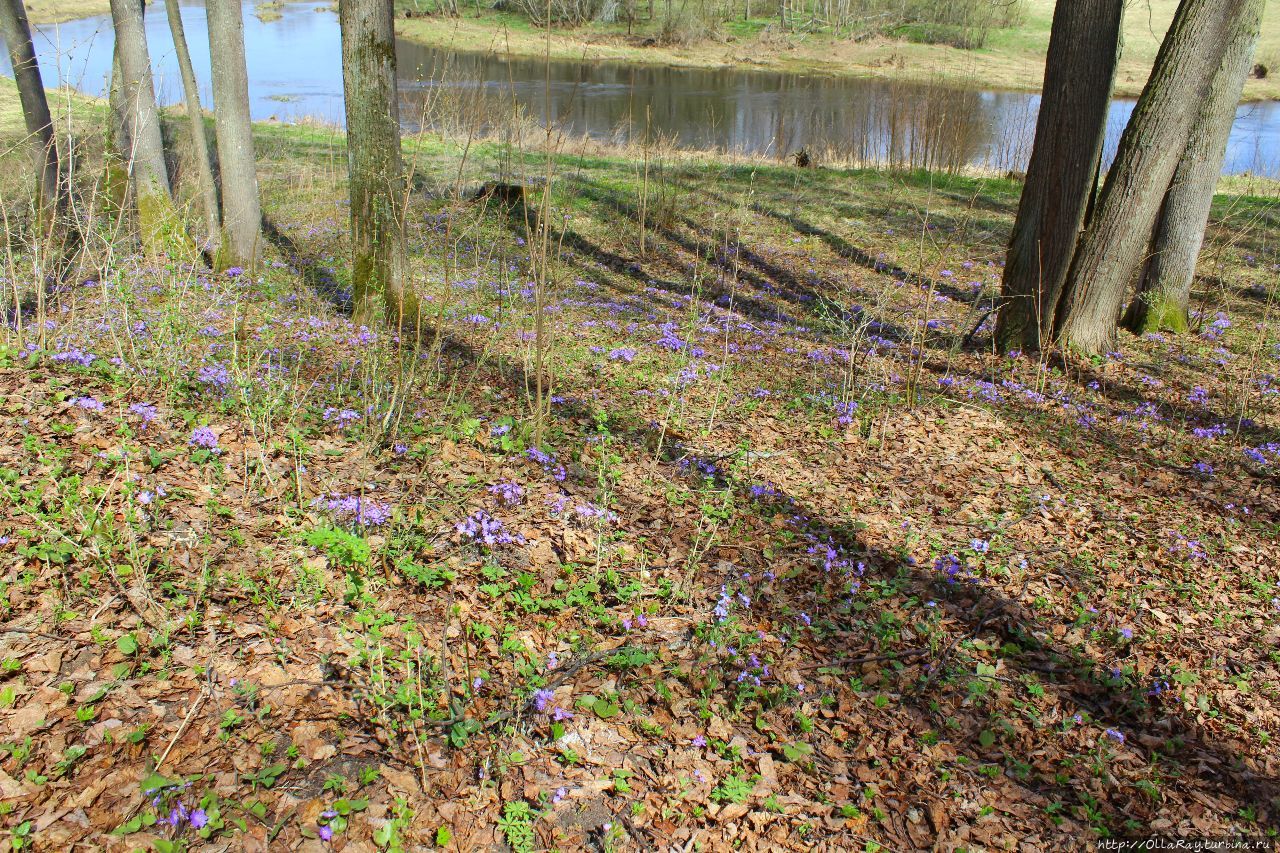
(1012, 59)
(791, 568)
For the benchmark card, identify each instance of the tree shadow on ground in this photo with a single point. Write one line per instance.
(844, 249)
(321, 279)
(733, 263)
(1163, 732)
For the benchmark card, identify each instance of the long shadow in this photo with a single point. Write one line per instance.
(1122, 392)
(521, 221)
(844, 249)
(1076, 679)
(756, 272)
(320, 278)
(738, 303)
(1129, 455)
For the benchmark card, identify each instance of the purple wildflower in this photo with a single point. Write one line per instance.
(75, 355)
(342, 417)
(356, 510)
(510, 493)
(204, 438)
(484, 528)
(215, 376)
(146, 411)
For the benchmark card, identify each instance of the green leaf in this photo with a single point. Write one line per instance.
(128, 644)
(987, 738)
(796, 751)
(155, 783)
(346, 807)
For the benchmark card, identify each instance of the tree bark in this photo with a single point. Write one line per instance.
(378, 189)
(1150, 149)
(195, 115)
(1062, 176)
(241, 208)
(1164, 291)
(116, 180)
(51, 189)
(157, 218)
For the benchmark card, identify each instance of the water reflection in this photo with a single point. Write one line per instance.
(753, 113)
(295, 74)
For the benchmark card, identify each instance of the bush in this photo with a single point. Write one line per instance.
(690, 24)
(569, 13)
(960, 23)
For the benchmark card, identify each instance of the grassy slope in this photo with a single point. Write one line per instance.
(1105, 662)
(55, 11)
(1014, 59)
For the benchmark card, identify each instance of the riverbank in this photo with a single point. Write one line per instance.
(1013, 59)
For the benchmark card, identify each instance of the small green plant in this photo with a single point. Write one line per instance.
(516, 825)
(734, 789)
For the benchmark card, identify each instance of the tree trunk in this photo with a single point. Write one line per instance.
(379, 264)
(116, 180)
(195, 115)
(1150, 149)
(157, 219)
(1164, 291)
(241, 208)
(1062, 176)
(51, 195)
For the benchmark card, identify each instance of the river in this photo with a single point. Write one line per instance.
(295, 74)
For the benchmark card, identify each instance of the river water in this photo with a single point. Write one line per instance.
(295, 74)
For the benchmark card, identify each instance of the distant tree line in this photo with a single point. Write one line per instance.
(960, 23)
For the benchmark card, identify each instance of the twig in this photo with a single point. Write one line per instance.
(910, 653)
(204, 693)
(31, 633)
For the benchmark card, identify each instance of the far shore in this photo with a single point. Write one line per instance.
(1012, 60)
